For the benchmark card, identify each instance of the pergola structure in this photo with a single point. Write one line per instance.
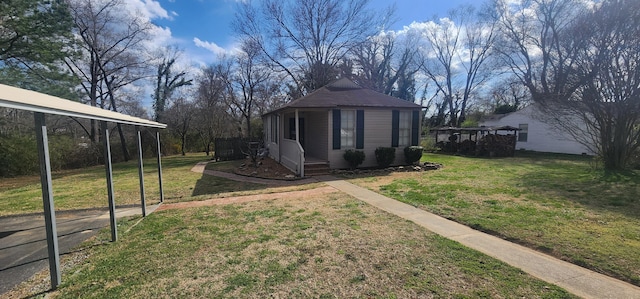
(42, 104)
(479, 140)
(473, 131)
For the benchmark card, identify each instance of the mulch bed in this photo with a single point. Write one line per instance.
(267, 168)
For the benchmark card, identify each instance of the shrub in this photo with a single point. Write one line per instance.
(412, 154)
(385, 156)
(428, 144)
(354, 157)
(18, 155)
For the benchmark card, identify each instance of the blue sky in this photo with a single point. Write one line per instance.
(202, 27)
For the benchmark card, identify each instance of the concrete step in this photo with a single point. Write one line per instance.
(316, 168)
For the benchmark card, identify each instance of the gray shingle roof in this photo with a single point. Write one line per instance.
(345, 93)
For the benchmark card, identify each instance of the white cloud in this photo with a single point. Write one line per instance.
(211, 46)
(150, 9)
(160, 37)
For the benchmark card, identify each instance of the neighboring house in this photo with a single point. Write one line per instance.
(535, 134)
(319, 127)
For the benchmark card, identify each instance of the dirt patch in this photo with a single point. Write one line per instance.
(375, 182)
(248, 198)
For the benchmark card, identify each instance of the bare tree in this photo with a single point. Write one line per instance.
(507, 96)
(245, 77)
(212, 118)
(111, 47)
(538, 44)
(456, 59)
(179, 119)
(306, 39)
(609, 101)
(385, 66)
(580, 64)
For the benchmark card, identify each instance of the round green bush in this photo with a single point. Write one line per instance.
(412, 154)
(385, 156)
(354, 157)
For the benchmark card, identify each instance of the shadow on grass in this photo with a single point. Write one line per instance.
(595, 189)
(578, 179)
(208, 184)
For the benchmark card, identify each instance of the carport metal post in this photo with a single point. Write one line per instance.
(47, 199)
(159, 167)
(141, 174)
(109, 172)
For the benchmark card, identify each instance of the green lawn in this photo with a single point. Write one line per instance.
(86, 188)
(334, 246)
(329, 246)
(557, 204)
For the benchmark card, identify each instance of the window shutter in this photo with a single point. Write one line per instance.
(292, 128)
(395, 128)
(360, 129)
(336, 128)
(415, 127)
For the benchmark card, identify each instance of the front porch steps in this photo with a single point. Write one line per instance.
(316, 168)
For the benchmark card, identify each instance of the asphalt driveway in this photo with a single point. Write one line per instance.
(23, 244)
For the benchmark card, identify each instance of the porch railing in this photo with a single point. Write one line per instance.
(292, 156)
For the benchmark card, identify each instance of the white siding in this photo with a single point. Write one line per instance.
(377, 132)
(273, 147)
(541, 136)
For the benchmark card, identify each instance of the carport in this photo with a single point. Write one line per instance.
(42, 104)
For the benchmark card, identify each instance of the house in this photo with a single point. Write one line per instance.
(319, 127)
(535, 134)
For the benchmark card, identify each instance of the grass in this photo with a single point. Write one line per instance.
(86, 188)
(557, 204)
(296, 247)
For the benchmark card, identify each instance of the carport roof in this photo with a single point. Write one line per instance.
(17, 98)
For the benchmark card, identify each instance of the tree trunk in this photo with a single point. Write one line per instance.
(184, 141)
(123, 141)
(123, 144)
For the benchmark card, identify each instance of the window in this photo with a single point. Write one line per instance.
(347, 128)
(404, 128)
(524, 132)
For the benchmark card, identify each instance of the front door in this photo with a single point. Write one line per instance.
(292, 130)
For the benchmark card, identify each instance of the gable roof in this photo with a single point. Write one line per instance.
(345, 93)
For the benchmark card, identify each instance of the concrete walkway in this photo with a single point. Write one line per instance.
(575, 279)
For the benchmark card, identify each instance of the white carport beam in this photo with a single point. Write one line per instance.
(47, 200)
